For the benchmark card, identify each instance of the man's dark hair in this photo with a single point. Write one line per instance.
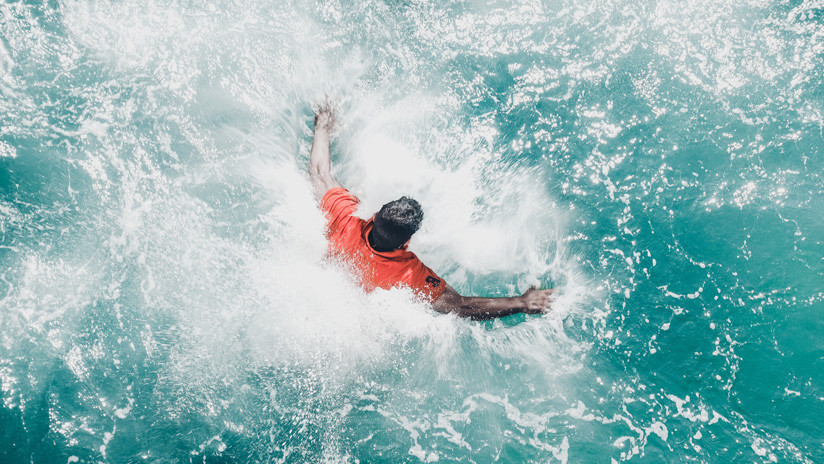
(395, 223)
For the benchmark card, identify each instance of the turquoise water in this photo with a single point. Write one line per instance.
(163, 290)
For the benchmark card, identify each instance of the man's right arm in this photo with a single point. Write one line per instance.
(320, 163)
(533, 301)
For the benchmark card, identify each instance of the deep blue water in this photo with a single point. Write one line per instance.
(164, 295)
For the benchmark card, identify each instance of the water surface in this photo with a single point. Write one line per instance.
(164, 295)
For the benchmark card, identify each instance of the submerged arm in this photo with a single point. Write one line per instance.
(533, 301)
(320, 164)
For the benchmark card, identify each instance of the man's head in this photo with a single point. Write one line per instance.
(395, 223)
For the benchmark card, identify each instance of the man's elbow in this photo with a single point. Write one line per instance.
(317, 171)
(457, 305)
(448, 302)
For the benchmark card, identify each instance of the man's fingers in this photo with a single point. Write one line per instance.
(546, 301)
(539, 300)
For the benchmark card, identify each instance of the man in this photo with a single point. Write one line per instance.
(377, 247)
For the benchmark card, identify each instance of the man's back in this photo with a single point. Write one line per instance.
(348, 239)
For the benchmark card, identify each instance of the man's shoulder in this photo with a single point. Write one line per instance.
(338, 204)
(336, 194)
(351, 225)
(422, 279)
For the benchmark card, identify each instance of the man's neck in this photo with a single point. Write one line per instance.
(371, 238)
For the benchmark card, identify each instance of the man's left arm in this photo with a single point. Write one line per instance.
(320, 163)
(533, 301)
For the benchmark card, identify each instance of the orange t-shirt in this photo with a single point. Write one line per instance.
(348, 238)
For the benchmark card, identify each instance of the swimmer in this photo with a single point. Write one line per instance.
(377, 247)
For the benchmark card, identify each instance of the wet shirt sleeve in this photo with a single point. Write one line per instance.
(425, 283)
(338, 205)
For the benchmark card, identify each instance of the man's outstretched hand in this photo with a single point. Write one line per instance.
(537, 301)
(324, 119)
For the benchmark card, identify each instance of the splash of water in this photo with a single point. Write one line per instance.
(165, 294)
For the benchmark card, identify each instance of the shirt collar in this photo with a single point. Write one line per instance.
(394, 254)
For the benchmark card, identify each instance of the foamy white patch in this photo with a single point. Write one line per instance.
(294, 215)
(317, 311)
(7, 151)
(47, 292)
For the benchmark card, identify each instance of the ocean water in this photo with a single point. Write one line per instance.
(164, 292)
